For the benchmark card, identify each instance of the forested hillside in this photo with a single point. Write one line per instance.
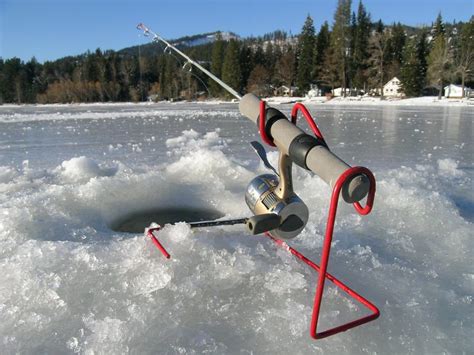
(353, 52)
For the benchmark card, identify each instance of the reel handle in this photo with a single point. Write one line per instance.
(305, 150)
(263, 223)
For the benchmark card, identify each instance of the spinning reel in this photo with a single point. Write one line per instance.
(276, 207)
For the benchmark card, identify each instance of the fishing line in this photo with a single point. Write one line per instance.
(156, 38)
(166, 50)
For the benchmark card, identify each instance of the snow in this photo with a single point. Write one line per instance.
(369, 100)
(84, 168)
(70, 283)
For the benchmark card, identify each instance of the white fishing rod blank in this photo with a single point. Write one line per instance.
(169, 46)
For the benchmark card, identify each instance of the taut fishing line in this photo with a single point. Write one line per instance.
(184, 65)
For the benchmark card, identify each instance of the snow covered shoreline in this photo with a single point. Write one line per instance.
(375, 101)
(281, 100)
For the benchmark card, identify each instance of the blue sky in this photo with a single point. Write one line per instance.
(50, 29)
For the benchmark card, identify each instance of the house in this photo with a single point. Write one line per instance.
(339, 91)
(349, 92)
(285, 90)
(455, 91)
(393, 88)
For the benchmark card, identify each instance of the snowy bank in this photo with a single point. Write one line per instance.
(276, 100)
(360, 100)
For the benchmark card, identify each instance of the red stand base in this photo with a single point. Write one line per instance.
(318, 297)
(322, 270)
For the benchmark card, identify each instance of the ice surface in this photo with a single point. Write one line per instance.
(68, 283)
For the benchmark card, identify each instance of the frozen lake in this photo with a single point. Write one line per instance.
(69, 283)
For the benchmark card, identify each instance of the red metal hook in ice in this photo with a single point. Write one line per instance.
(149, 233)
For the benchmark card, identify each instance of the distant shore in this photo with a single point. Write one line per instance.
(282, 100)
(363, 101)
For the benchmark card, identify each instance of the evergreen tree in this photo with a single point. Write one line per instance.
(246, 63)
(306, 45)
(394, 51)
(12, 86)
(285, 69)
(277, 54)
(422, 53)
(2, 82)
(440, 59)
(411, 72)
(259, 55)
(352, 65)
(361, 47)
(340, 38)
(464, 60)
(330, 73)
(379, 27)
(378, 44)
(322, 45)
(269, 56)
(259, 81)
(217, 60)
(398, 40)
(438, 27)
(231, 72)
(32, 80)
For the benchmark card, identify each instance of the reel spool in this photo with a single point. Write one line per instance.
(269, 194)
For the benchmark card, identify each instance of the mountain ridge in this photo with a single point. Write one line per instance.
(182, 42)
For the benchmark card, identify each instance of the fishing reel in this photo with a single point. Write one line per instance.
(276, 207)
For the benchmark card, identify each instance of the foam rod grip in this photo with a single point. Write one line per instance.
(329, 167)
(249, 106)
(319, 159)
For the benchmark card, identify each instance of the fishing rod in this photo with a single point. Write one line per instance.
(278, 212)
(158, 38)
(307, 151)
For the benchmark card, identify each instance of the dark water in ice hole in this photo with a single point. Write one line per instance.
(138, 221)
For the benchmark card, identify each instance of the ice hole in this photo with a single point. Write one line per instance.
(137, 222)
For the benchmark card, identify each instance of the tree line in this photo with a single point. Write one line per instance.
(354, 53)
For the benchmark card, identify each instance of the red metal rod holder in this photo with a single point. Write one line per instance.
(322, 269)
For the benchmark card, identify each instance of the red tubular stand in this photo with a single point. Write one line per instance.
(322, 270)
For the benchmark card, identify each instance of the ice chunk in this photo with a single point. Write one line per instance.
(83, 169)
(449, 167)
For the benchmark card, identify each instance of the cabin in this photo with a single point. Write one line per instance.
(393, 88)
(284, 90)
(455, 91)
(339, 92)
(349, 92)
